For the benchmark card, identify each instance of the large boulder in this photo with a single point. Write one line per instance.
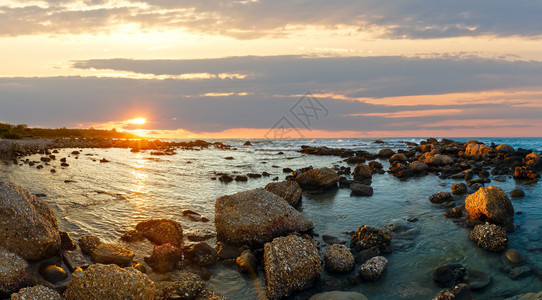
(287, 190)
(418, 167)
(162, 231)
(36, 292)
(28, 225)
(339, 259)
(14, 273)
(532, 160)
(291, 263)
(109, 282)
(398, 157)
(318, 179)
(255, 217)
(386, 153)
(359, 189)
(477, 149)
(431, 159)
(490, 203)
(362, 172)
(367, 237)
(505, 149)
(489, 237)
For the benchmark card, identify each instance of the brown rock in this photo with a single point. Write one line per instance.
(88, 243)
(112, 254)
(339, 259)
(247, 262)
(13, 273)
(318, 179)
(164, 258)
(132, 236)
(489, 237)
(386, 153)
(367, 237)
(37, 292)
(490, 203)
(477, 149)
(398, 157)
(373, 268)
(431, 159)
(74, 259)
(459, 188)
(66, 242)
(287, 190)
(362, 172)
(161, 231)
(187, 286)
(525, 173)
(52, 273)
(201, 253)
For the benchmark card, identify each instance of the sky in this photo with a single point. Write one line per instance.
(274, 69)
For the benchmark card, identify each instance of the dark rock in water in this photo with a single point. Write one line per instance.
(517, 193)
(375, 166)
(459, 189)
(441, 197)
(226, 251)
(255, 217)
(291, 264)
(513, 256)
(13, 273)
(492, 204)
(112, 254)
(331, 240)
(364, 255)
(520, 272)
(254, 175)
(225, 178)
(373, 268)
(103, 160)
(228, 157)
(247, 262)
(28, 225)
(287, 190)
(132, 236)
(52, 273)
(458, 292)
(355, 160)
(64, 164)
(318, 179)
(362, 172)
(330, 284)
(477, 280)
(162, 231)
(164, 258)
(338, 295)
(53, 171)
(525, 173)
(475, 187)
(66, 242)
(187, 286)
(456, 212)
(489, 237)
(398, 157)
(36, 292)
(361, 189)
(366, 237)
(45, 159)
(386, 153)
(88, 243)
(201, 254)
(63, 159)
(74, 259)
(275, 178)
(247, 143)
(200, 236)
(241, 178)
(338, 259)
(450, 274)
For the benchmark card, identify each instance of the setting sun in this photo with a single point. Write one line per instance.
(138, 121)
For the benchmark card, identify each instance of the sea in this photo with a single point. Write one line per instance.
(109, 199)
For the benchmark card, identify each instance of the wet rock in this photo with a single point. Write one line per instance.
(28, 225)
(13, 273)
(505, 149)
(112, 254)
(477, 149)
(318, 179)
(241, 178)
(66, 242)
(164, 258)
(458, 292)
(74, 259)
(375, 166)
(52, 273)
(226, 251)
(287, 170)
(359, 189)
(366, 237)
(373, 268)
(255, 217)
(355, 160)
(287, 190)
(475, 187)
(490, 203)
(517, 193)
(525, 173)
(330, 284)
(513, 256)
(339, 259)
(207, 294)
(532, 160)
(520, 272)
(418, 167)
(88, 243)
(459, 188)
(161, 231)
(456, 212)
(398, 157)
(441, 197)
(386, 153)
(109, 282)
(489, 237)
(247, 262)
(431, 159)
(362, 172)
(36, 293)
(132, 236)
(526, 296)
(450, 274)
(291, 264)
(364, 255)
(201, 254)
(187, 286)
(338, 295)
(331, 240)
(477, 280)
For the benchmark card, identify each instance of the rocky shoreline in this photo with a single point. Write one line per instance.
(261, 231)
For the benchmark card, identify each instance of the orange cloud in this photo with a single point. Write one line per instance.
(412, 113)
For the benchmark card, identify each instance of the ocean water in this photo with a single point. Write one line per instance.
(108, 199)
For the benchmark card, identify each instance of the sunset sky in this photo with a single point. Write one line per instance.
(218, 69)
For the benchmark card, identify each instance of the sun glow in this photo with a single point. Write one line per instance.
(139, 121)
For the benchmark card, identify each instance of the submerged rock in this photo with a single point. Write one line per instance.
(490, 203)
(161, 231)
(373, 268)
(28, 225)
(450, 274)
(287, 190)
(255, 217)
(517, 193)
(477, 279)
(318, 179)
(339, 259)
(458, 292)
(359, 189)
(109, 282)
(36, 293)
(366, 237)
(291, 264)
(489, 237)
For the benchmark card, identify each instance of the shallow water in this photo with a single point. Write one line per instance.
(108, 199)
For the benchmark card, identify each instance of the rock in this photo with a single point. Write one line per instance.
(477, 149)
(477, 280)
(247, 143)
(398, 157)
(318, 179)
(109, 282)
(359, 189)
(338, 259)
(287, 190)
(513, 256)
(226, 251)
(372, 269)
(366, 237)
(132, 236)
(36, 292)
(505, 149)
(247, 262)
(207, 294)
(287, 170)
(385, 153)
(532, 160)
(331, 240)
(66, 242)
(112, 254)
(88, 243)
(431, 159)
(225, 178)
(418, 167)
(520, 272)
(74, 259)
(241, 178)
(525, 173)
(28, 225)
(13, 273)
(459, 188)
(517, 193)
(456, 212)
(201, 253)
(458, 292)
(362, 172)
(291, 264)
(162, 231)
(489, 237)
(164, 258)
(491, 203)
(450, 274)
(187, 286)
(364, 255)
(338, 295)
(52, 273)
(441, 197)
(255, 217)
